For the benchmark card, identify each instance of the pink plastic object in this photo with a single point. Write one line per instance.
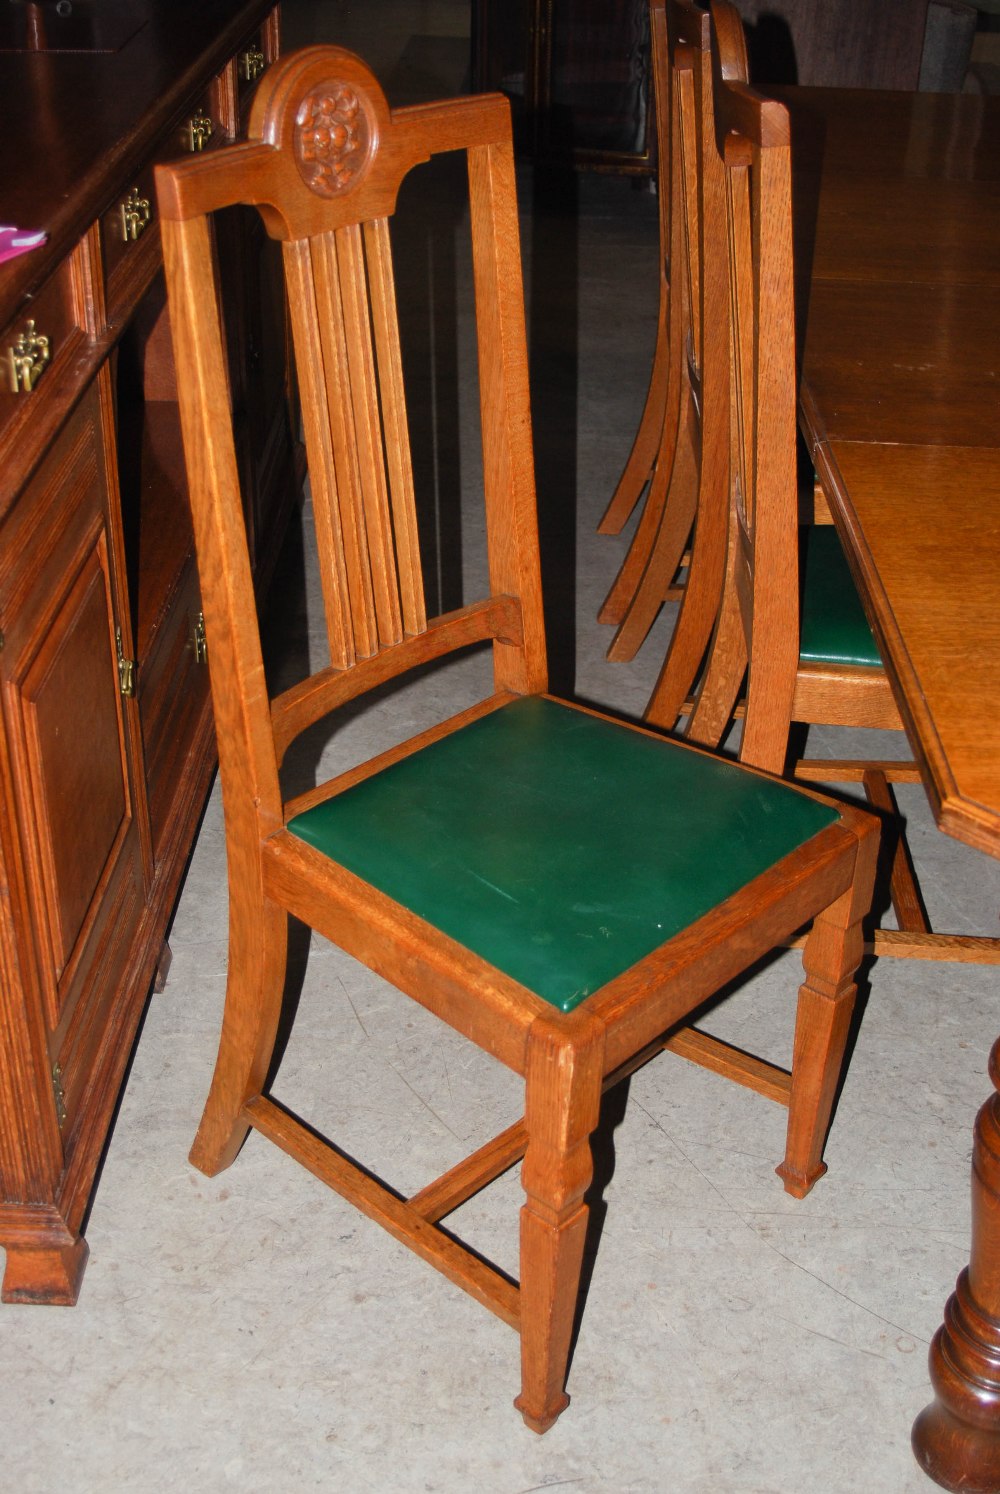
(15, 241)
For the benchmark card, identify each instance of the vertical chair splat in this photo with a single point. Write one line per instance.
(346, 332)
(347, 494)
(367, 429)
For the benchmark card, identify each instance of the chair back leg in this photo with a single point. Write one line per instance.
(258, 946)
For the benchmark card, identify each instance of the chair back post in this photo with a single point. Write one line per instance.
(239, 691)
(753, 143)
(505, 412)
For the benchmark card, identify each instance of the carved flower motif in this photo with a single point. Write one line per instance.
(332, 136)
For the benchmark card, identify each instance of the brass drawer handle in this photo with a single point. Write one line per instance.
(252, 64)
(199, 131)
(135, 214)
(26, 359)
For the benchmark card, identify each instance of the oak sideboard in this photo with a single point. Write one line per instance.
(106, 745)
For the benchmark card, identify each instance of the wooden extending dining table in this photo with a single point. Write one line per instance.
(897, 221)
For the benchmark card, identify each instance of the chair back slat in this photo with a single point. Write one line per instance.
(364, 425)
(382, 292)
(337, 539)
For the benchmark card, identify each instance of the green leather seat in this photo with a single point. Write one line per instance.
(834, 627)
(560, 847)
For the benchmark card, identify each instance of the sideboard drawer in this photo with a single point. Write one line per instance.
(204, 125)
(42, 369)
(251, 60)
(32, 343)
(130, 246)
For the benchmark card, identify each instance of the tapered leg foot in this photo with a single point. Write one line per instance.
(48, 1276)
(541, 1424)
(798, 1184)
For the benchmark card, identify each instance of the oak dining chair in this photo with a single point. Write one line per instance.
(791, 640)
(563, 890)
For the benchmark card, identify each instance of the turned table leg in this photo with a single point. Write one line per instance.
(956, 1439)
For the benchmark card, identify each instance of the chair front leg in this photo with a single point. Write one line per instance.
(831, 956)
(563, 1099)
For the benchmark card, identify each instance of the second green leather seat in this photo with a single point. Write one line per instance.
(834, 627)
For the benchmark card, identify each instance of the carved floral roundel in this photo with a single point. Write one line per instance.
(333, 138)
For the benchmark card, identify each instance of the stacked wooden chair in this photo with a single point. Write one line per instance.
(563, 890)
(786, 651)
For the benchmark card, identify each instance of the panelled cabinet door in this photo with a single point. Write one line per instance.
(66, 679)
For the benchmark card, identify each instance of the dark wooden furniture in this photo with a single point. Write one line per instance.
(835, 43)
(106, 748)
(908, 303)
(561, 889)
(577, 75)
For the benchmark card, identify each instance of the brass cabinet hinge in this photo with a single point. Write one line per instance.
(126, 668)
(199, 641)
(59, 1093)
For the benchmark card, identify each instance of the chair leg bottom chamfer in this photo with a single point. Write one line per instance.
(541, 1424)
(798, 1184)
